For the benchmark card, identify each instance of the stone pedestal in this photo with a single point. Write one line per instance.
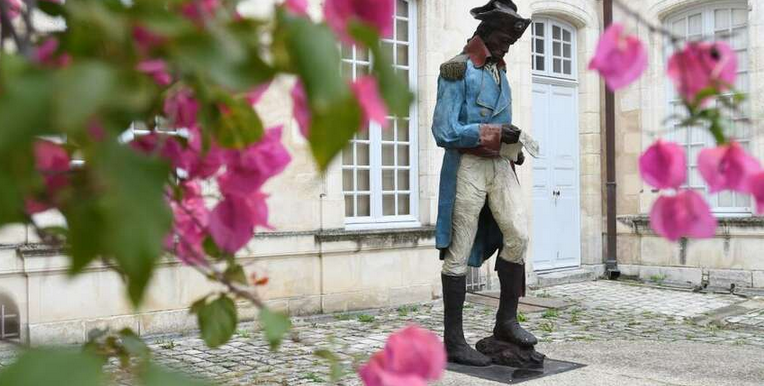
(509, 354)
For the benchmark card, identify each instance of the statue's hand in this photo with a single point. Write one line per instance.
(510, 134)
(520, 159)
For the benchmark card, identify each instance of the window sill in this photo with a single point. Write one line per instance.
(728, 223)
(394, 236)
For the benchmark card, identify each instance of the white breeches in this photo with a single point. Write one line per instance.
(477, 179)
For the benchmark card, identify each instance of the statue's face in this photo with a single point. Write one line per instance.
(498, 43)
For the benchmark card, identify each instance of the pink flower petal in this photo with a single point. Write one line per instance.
(685, 215)
(756, 183)
(664, 165)
(53, 162)
(297, 7)
(301, 109)
(191, 217)
(367, 93)
(230, 227)
(145, 39)
(377, 14)
(157, 69)
(701, 65)
(620, 59)
(182, 108)
(196, 10)
(727, 167)
(412, 356)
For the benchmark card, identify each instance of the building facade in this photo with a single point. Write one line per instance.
(360, 236)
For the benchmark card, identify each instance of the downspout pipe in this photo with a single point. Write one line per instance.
(611, 260)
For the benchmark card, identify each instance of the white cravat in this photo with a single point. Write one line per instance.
(493, 69)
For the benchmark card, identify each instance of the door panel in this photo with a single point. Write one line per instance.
(556, 191)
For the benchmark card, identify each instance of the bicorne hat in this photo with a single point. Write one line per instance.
(502, 13)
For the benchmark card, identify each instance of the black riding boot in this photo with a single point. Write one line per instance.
(507, 328)
(454, 293)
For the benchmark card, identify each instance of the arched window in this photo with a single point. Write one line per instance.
(379, 167)
(553, 47)
(9, 319)
(721, 21)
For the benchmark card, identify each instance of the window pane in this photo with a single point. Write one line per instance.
(349, 206)
(696, 24)
(361, 54)
(566, 35)
(404, 206)
(539, 29)
(347, 155)
(402, 8)
(347, 70)
(404, 181)
(363, 134)
(742, 201)
(566, 51)
(567, 67)
(540, 46)
(403, 55)
(540, 63)
(388, 155)
(347, 180)
(726, 199)
(388, 182)
(557, 66)
(364, 206)
(679, 27)
(739, 38)
(556, 31)
(388, 205)
(722, 19)
(556, 51)
(403, 130)
(403, 155)
(362, 154)
(389, 132)
(739, 17)
(402, 30)
(363, 181)
(347, 51)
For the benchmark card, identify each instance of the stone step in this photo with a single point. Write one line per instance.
(548, 279)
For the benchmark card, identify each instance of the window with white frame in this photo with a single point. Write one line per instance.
(553, 45)
(720, 21)
(379, 167)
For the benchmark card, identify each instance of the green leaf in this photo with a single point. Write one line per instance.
(332, 128)
(81, 90)
(336, 370)
(158, 376)
(235, 273)
(53, 367)
(52, 8)
(275, 326)
(133, 344)
(211, 248)
(217, 320)
(239, 126)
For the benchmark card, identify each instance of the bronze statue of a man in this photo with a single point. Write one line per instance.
(480, 207)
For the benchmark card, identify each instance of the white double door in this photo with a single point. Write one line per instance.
(556, 189)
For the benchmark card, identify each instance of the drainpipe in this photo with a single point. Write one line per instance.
(611, 262)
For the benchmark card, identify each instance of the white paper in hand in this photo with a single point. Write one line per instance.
(511, 151)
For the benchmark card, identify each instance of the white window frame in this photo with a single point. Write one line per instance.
(548, 38)
(377, 220)
(708, 30)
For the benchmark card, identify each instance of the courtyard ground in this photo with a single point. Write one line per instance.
(625, 334)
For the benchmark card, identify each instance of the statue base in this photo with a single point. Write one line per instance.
(509, 354)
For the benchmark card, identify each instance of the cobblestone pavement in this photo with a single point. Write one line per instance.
(751, 319)
(598, 311)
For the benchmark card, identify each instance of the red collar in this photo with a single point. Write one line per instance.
(479, 53)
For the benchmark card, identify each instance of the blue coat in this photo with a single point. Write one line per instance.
(462, 106)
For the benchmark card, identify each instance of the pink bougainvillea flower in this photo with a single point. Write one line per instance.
(300, 107)
(685, 215)
(367, 93)
(191, 218)
(297, 7)
(727, 167)
(157, 69)
(412, 356)
(196, 10)
(45, 54)
(53, 162)
(664, 165)
(96, 131)
(756, 183)
(701, 65)
(377, 14)
(32, 206)
(14, 8)
(233, 221)
(620, 59)
(182, 108)
(257, 93)
(145, 39)
(248, 169)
